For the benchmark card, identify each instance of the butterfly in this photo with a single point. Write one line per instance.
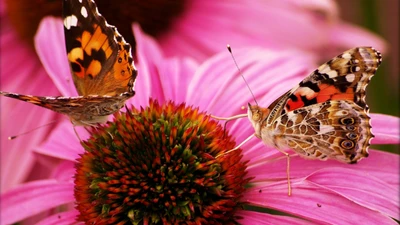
(325, 116)
(101, 64)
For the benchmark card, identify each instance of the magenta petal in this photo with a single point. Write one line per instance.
(27, 78)
(311, 202)
(50, 46)
(385, 128)
(359, 187)
(63, 142)
(348, 36)
(218, 87)
(250, 218)
(64, 218)
(64, 172)
(33, 198)
(272, 166)
(159, 78)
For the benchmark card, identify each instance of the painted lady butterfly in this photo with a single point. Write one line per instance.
(325, 116)
(101, 63)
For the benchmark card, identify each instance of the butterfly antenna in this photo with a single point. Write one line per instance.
(241, 74)
(29, 131)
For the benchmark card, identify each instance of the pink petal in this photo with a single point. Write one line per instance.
(63, 142)
(159, 77)
(64, 172)
(379, 164)
(310, 202)
(218, 87)
(385, 128)
(359, 187)
(16, 157)
(251, 218)
(33, 198)
(314, 24)
(50, 46)
(347, 36)
(64, 218)
(263, 70)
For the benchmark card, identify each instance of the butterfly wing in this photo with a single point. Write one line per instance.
(345, 77)
(337, 129)
(326, 115)
(101, 64)
(100, 59)
(82, 110)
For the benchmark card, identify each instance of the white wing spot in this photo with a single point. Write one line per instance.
(70, 21)
(350, 77)
(84, 12)
(324, 68)
(306, 91)
(332, 73)
(346, 55)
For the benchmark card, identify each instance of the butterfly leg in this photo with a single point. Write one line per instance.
(76, 133)
(237, 147)
(287, 171)
(229, 118)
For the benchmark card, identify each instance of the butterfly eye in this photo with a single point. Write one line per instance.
(347, 144)
(256, 116)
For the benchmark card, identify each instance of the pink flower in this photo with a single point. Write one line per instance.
(315, 24)
(311, 26)
(323, 192)
(21, 72)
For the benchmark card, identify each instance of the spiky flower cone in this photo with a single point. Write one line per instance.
(158, 165)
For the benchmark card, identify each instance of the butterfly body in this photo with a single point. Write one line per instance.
(326, 115)
(101, 64)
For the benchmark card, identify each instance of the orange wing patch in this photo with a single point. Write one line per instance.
(330, 92)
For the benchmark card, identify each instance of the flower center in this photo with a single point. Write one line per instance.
(154, 16)
(157, 165)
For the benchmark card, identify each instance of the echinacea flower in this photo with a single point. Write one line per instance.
(198, 29)
(323, 191)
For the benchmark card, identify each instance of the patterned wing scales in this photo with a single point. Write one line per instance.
(326, 115)
(339, 130)
(345, 77)
(100, 59)
(82, 110)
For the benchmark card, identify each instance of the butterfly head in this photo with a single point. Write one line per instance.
(257, 115)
